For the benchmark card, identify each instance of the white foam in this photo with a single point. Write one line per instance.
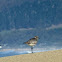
(0, 46)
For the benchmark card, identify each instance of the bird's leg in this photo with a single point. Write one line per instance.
(32, 49)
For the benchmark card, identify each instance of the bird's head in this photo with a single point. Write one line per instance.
(36, 37)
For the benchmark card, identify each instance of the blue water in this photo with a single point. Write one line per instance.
(13, 52)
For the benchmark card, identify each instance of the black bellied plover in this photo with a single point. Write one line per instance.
(32, 42)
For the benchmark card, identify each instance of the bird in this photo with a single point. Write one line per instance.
(32, 42)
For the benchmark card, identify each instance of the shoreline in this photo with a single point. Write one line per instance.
(49, 56)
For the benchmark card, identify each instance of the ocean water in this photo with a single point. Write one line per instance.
(12, 52)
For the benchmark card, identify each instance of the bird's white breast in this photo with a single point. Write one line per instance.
(31, 44)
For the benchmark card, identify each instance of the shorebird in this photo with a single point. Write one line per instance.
(32, 42)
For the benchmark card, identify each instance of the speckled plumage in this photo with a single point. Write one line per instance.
(32, 41)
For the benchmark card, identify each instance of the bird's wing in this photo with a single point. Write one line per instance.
(29, 41)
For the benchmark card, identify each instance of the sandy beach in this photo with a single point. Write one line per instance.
(49, 56)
